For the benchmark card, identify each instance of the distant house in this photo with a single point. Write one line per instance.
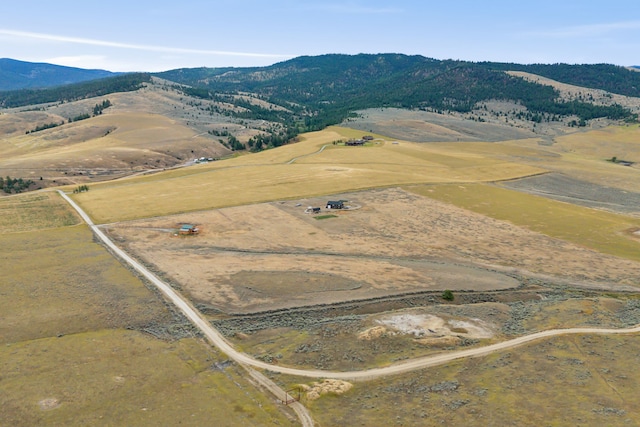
(367, 138)
(355, 142)
(337, 204)
(188, 229)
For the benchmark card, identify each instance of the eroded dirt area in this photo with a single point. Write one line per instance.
(274, 256)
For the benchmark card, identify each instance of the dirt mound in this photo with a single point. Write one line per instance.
(373, 333)
(49, 403)
(327, 386)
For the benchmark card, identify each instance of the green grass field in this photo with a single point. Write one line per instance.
(598, 230)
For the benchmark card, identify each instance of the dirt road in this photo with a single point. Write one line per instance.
(216, 338)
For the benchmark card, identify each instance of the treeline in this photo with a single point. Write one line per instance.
(324, 90)
(14, 185)
(44, 126)
(97, 110)
(612, 78)
(74, 92)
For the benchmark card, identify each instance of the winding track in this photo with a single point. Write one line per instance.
(216, 338)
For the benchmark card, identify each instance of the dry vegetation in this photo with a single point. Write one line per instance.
(84, 342)
(578, 380)
(260, 177)
(275, 256)
(357, 289)
(35, 211)
(598, 230)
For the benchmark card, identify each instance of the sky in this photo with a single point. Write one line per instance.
(159, 35)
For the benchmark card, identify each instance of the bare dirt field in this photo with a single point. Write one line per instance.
(272, 256)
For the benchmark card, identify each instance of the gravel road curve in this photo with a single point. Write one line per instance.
(216, 338)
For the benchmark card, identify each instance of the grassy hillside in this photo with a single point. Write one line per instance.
(293, 171)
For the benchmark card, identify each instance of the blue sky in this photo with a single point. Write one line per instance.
(144, 35)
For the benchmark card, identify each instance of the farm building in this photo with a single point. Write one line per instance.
(188, 229)
(354, 142)
(312, 210)
(338, 204)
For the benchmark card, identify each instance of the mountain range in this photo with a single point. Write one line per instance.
(20, 74)
(310, 92)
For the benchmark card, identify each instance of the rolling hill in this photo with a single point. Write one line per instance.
(58, 133)
(492, 185)
(16, 75)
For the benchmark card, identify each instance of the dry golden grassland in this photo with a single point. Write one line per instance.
(73, 351)
(126, 378)
(109, 145)
(602, 231)
(35, 211)
(58, 281)
(584, 155)
(576, 380)
(269, 176)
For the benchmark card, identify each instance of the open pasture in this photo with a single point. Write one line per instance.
(35, 211)
(575, 380)
(583, 193)
(119, 377)
(586, 156)
(273, 256)
(336, 169)
(84, 342)
(605, 232)
(103, 147)
(59, 281)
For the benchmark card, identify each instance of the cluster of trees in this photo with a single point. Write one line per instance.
(273, 139)
(44, 126)
(234, 144)
(14, 185)
(79, 117)
(97, 110)
(81, 189)
(612, 78)
(315, 92)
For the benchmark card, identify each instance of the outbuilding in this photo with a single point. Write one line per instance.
(188, 229)
(337, 204)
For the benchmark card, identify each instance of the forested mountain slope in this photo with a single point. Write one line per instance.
(20, 75)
